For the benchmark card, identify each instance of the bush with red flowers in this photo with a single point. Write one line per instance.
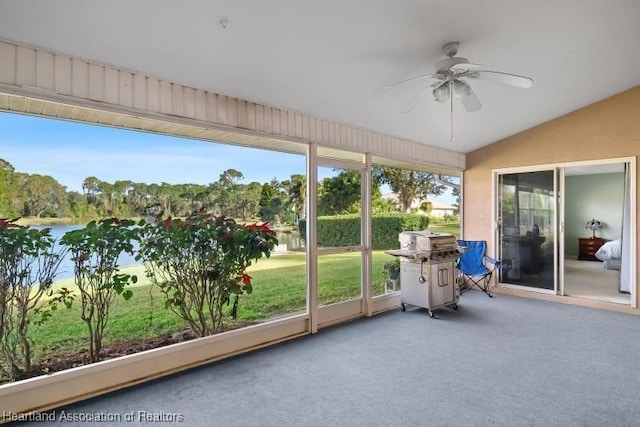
(200, 264)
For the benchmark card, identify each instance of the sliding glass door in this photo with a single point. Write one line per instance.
(541, 218)
(526, 229)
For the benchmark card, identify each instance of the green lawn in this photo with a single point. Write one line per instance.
(451, 228)
(279, 289)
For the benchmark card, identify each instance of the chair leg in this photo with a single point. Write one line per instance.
(483, 284)
(485, 289)
(467, 282)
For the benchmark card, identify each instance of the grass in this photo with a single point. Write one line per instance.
(451, 228)
(32, 220)
(279, 289)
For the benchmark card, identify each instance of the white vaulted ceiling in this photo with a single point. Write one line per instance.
(333, 58)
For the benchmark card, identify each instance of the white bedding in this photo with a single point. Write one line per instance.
(611, 254)
(612, 249)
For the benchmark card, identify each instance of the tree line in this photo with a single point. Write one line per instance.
(280, 201)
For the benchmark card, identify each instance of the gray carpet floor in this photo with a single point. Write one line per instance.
(504, 361)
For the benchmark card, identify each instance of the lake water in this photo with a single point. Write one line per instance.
(286, 242)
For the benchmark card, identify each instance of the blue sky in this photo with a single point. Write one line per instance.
(70, 152)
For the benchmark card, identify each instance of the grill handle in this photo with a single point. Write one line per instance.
(443, 277)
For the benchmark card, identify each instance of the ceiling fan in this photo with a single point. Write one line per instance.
(451, 74)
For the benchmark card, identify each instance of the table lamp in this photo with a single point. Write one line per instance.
(593, 225)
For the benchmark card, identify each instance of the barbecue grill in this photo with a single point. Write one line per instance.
(427, 270)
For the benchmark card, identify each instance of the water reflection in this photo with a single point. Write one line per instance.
(287, 241)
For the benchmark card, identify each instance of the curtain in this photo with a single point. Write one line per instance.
(625, 262)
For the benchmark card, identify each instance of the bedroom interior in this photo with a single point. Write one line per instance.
(594, 218)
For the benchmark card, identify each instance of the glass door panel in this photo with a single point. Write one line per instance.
(527, 218)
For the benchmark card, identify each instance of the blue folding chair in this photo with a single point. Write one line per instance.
(474, 267)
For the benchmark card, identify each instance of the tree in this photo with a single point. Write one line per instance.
(340, 194)
(79, 208)
(41, 193)
(230, 177)
(121, 191)
(210, 196)
(189, 195)
(383, 206)
(159, 199)
(274, 201)
(249, 200)
(105, 198)
(138, 197)
(90, 187)
(229, 185)
(267, 193)
(288, 212)
(298, 195)
(454, 183)
(7, 189)
(408, 184)
(273, 211)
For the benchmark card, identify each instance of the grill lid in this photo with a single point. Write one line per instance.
(429, 241)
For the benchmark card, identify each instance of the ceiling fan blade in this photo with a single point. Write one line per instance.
(409, 106)
(500, 77)
(470, 101)
(465, 66)
(424, 76)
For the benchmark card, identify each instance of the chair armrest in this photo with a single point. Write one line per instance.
(496, 263)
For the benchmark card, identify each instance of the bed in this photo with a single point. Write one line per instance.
(610, 253)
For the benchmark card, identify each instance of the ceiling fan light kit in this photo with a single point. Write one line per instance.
(461, 90)
(441, 93)
(449, 74)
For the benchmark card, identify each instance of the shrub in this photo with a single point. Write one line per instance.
(200, 263)
(344, 230)
(96, 250)
(391, 269)
(29, 260)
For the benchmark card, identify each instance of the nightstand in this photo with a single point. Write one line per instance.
(587, 248)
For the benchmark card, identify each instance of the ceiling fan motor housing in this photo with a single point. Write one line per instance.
(450, 49)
